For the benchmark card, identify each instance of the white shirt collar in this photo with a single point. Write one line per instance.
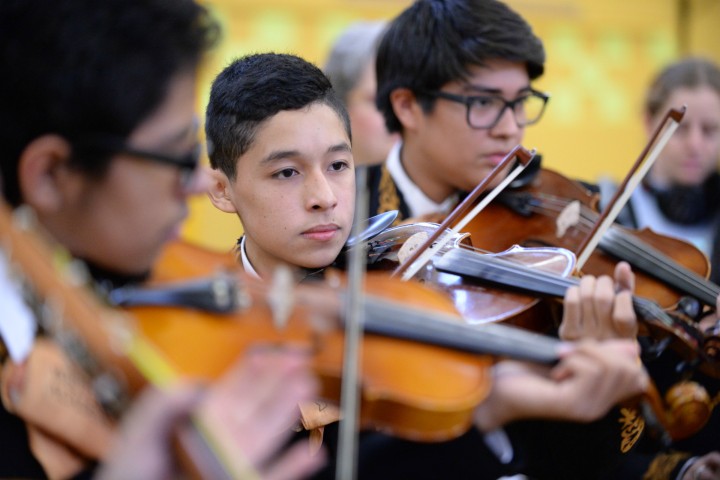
(247, 266)
(418, 203)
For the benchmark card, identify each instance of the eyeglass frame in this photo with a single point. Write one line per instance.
(468, 101)
(186, 163)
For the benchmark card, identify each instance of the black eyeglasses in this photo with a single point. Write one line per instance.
(485, 111)
(186, 163)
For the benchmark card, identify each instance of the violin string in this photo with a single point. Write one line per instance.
(675, 273)
(635, 248)
(518, 273)
(544, 283)
(389, 318)
(638, 248)
(692, 281)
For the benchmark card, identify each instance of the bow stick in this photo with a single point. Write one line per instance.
(642, 165)
(423, 254)
(354, 322)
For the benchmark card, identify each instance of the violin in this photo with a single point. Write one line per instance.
(442, 379)
(494, 287)
(596, 229)
(476, 303)
(126, 349)
(690, 407)
(539, 214)
(430, 398)
(667, 267)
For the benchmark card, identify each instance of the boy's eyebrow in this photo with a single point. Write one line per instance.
(283, 154)
(340, 147)
(492, 90)
(279, 155)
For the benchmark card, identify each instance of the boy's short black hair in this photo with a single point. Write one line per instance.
(434, 42)
(84, 67)
(251, 90)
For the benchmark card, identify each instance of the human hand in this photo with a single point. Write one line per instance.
(248, 412)
(271, 384)
(706, 467)
(600, 307)
(142, 448)
(590, 378)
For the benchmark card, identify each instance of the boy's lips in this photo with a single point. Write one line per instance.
(496, 158)
(321, 232)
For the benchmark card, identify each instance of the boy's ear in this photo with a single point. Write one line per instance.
(406, 107)
(219, 192)
(43, 178)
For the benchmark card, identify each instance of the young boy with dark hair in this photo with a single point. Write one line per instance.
(280, 145)
(455, 80)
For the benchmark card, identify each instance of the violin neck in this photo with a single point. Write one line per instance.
(498, 271)
(645, 258)
(389, 319)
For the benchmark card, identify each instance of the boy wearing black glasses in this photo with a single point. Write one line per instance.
(454, 79)
(99, 138)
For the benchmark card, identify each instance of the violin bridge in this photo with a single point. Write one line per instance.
(411, 244)
(568, 218)
(280, 298)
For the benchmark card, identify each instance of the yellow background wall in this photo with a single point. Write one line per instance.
(600, 58)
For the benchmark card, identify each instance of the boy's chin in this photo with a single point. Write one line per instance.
(318, 262)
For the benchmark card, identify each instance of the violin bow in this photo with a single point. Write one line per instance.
(642, 165)
(424, 253)
(354, 324)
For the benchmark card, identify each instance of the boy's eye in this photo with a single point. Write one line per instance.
(711, 130)
(285, 173)
(484, 102)
(339, 165)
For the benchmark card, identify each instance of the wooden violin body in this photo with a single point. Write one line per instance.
(555, 211)
(412, 390)
(477, 303)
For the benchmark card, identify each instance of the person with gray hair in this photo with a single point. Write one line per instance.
(351, 70)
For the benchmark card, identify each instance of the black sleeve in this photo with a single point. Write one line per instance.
(16, 459)
(557, 450)
(386, 457)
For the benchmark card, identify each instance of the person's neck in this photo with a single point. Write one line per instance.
(109, 280)
(416, 166)
(301, 274)
(658, 180)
